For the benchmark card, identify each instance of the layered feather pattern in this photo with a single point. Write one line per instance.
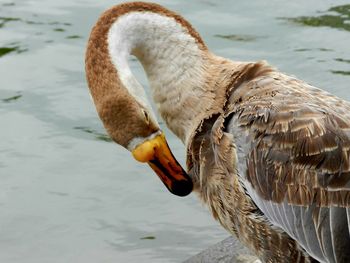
(292, 143)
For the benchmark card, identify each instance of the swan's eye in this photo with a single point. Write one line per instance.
(146, 116)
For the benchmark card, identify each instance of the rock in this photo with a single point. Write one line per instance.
(230, 250)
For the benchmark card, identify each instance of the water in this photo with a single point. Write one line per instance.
(70, 195)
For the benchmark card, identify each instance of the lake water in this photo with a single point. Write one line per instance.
(68, 194)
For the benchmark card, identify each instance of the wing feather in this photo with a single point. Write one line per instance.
(309, 231)
(323, 232)
(348, 215)
(339, 228)
(295, 141)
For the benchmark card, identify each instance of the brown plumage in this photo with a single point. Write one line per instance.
(283, 146)
(268, 153)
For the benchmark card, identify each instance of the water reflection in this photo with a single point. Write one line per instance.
(5, 20)
(59, 29)
(98, 135)
(6, 50)
(8, 4)
(242, 38)
(335, 17)
(57, 193)
(12, 98)
(309, 49)
(148, 238)
(341, 72)
(74, 37)
(342, 60)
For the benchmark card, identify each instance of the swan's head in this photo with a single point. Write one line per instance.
(120, 99)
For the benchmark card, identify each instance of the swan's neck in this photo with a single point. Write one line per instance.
(175, 63)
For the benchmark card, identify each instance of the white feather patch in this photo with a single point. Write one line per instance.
(169, 54)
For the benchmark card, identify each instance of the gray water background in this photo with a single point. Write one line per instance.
(68, 194)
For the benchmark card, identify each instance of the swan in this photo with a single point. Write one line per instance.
(267, 152)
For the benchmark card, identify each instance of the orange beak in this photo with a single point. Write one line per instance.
(157, 154)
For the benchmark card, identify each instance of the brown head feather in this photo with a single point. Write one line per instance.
(115, 106)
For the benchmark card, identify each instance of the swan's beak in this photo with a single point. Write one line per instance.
(157, 154)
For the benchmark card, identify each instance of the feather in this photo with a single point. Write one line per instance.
(340, 234)
(267, 152)
(292, 142)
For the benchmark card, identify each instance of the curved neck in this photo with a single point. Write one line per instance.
(173, 61)
(164, 47)
(184, 76)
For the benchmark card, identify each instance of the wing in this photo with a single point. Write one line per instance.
(294, 160)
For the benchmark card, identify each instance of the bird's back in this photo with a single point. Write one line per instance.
(293, 146)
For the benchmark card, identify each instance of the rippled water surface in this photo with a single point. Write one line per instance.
(68, 194)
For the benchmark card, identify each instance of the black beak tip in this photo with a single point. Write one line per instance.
(182, 188)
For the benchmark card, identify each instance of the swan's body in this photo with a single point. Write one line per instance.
(268, 153)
